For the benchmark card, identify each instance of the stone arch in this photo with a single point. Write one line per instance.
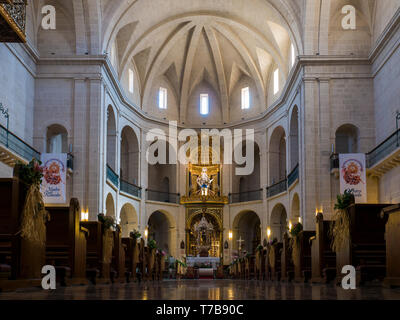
(247, 183)
(56, 139)
(347, 139)
(277, 156)
(294, 138)
(156, 178)
(111, 138)
(129, 168)
(110, 206)
(246, 226)
(160, 225)
(128, 219)
(295, 208)
(278, 222)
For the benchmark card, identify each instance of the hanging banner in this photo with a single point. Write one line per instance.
(353, 175)
(55, 178)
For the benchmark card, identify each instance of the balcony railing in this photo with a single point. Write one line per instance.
(70, 161)
(17, 145)
(245, 196)
(160, 196)
(277, 188)
(293, 176)
(112, 176)
(384, 149)
(131, 189)
(334, 161)
(12, 20)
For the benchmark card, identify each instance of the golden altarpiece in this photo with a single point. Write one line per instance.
(204, 202)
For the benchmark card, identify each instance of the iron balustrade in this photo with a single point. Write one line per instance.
(388, 146)
(293, 176)
(161, 196)
(277, 188)
(246, 196)
(17, 145)
(334, 159)
(112, 176)
(131, 189)
(70, 161)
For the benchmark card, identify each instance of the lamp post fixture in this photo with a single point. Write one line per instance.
(5, 113)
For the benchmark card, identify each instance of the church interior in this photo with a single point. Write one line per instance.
(183, 149)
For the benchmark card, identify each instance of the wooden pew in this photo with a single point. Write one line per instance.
(286, 260)
(132, 256)
(267, 269)
(275, 261)
(160, 266)
(21, 262)
(98, 259)
(392, 236)
(366, 247)
(302, 257)
(249, 262)
(150, 257)
(323, 258)
(119, 273)
(259, 264)
(66, 244)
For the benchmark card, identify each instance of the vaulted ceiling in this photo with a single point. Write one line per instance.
(211, 42)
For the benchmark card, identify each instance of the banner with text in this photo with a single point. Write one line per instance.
(353, 175)
(55, 178)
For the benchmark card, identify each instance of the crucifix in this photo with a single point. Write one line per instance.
(240, 241)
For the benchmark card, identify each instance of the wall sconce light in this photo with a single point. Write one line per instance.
(300, 220)
(146, 233)
(85, 215)
(230, 235)
(290, 225)
(269, 232)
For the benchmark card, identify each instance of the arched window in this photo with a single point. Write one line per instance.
(346, 139)
(57, 139)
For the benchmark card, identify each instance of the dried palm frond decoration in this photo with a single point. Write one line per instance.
(340, 228)
(34, 215)
(294, 243)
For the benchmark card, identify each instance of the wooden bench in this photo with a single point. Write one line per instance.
(323, 258)
(275, 254)
(98, 261)
(259, 264)
(249, 267)
(366, 248)
(267, 269)
(392, 236)
(119, 273)
(21, 262)
(287, 266)
(66, 244)
(132, 256)
(302, 257)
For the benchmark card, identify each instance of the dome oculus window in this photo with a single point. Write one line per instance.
(162, 98)
(276, 81)
(131, 80)
(246, 98)
(204, 104)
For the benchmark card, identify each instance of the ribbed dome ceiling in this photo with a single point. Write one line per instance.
(200, 46)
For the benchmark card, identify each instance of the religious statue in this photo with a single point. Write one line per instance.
(204, 182)
(203, 231)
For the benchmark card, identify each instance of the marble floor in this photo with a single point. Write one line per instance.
(206, 290)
